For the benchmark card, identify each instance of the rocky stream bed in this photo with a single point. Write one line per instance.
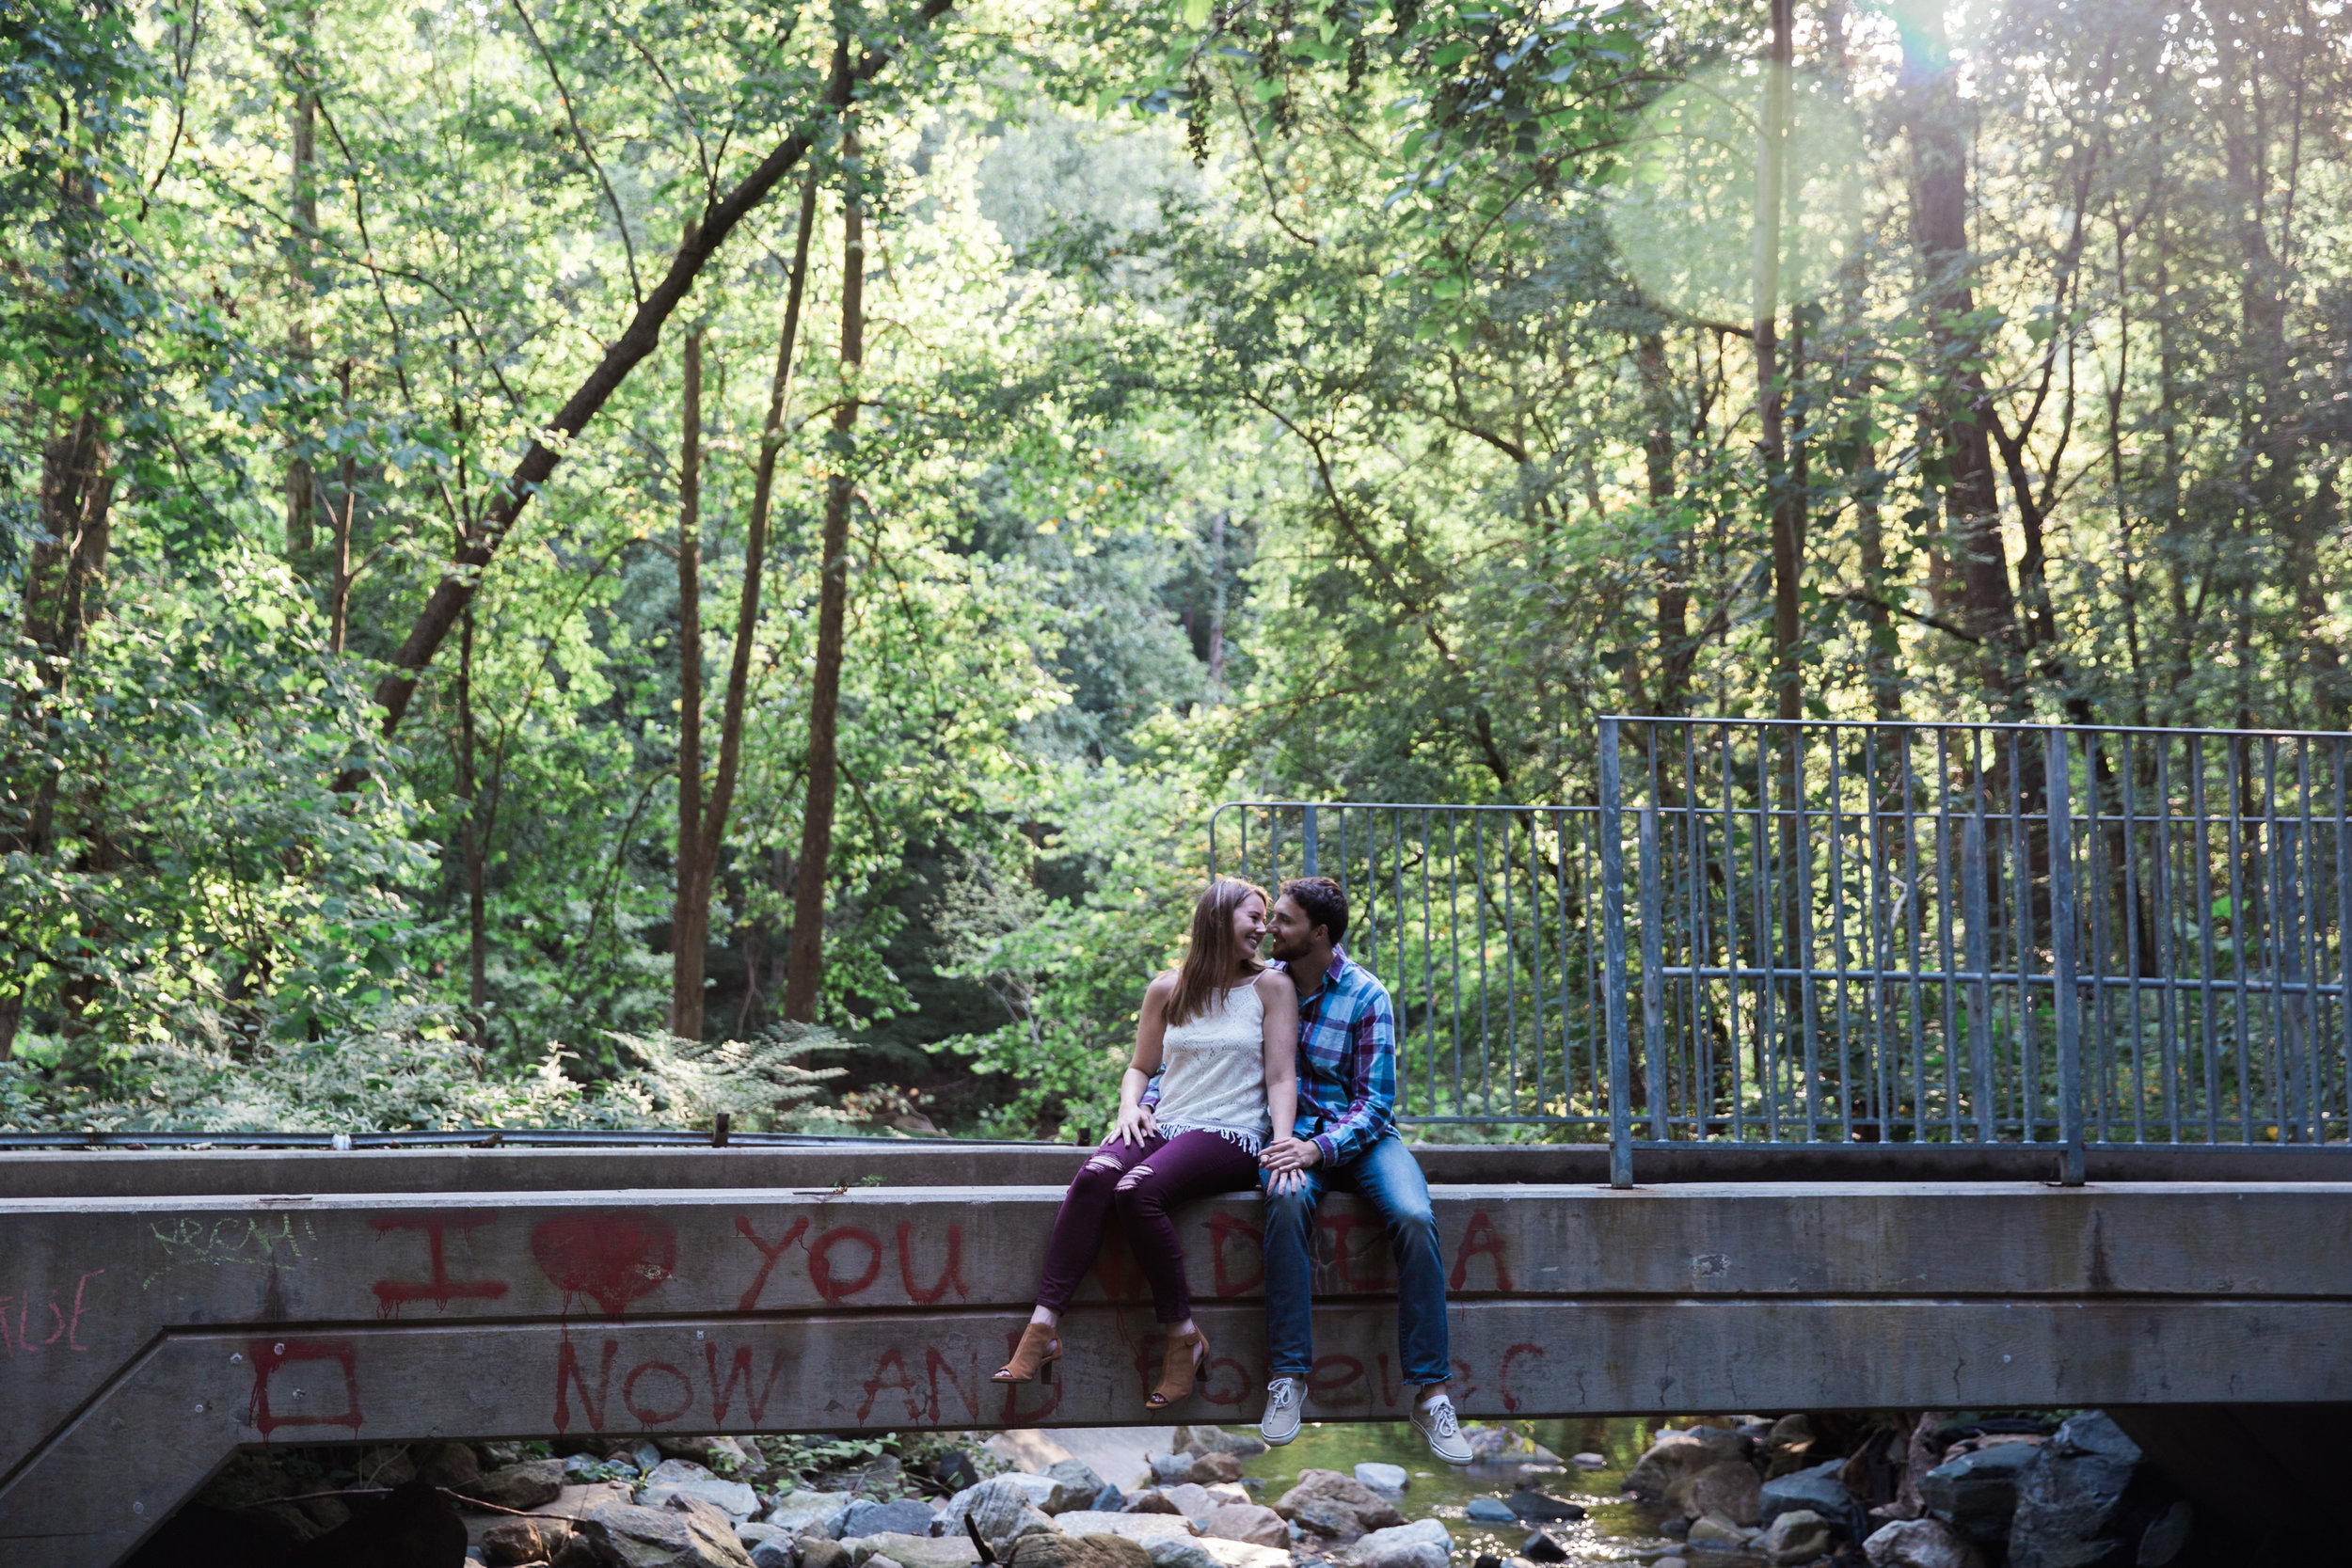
(1910, 1491)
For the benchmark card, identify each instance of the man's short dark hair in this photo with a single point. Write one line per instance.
(1324, 903)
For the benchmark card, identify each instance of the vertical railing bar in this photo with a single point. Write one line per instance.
(1731, 937)
(1428, 965)
(1612, 917)
(1478, 901)
(1654, 1074)
(1455, 948)
(2306, 933)
(2343, 937)
(2237, 940)
(1510, 967)
(1701, 949)
(2099, 879)
(2209, 1048)
(2061, 811)
(1767, 914)
(1906, 775)
(2273, 945)
(1944, 906)
(1888, 1075)
(1800, 847)
(1836, 871)
(2020, 908)
(2167, 927)
(2131, 939)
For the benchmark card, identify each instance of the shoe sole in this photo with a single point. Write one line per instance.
(1273, 1442)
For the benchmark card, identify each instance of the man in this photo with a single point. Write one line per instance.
(1345, 1137)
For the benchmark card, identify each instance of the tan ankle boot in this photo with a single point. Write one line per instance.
(1034, 1357)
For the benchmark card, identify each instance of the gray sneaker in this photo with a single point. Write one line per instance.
(1437, 1421)
(1284, 1397)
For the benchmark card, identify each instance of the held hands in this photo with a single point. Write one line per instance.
(1287, 1161)
(1134, 1125)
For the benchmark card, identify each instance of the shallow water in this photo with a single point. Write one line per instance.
(1614, 1532)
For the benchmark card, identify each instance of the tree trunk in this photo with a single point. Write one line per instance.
(301, 484)
(806, 968)
(687, 917)
(471, 847)
(714, 814)
(1676, 648)
(1961, 409)
(339, 579)
(457, 589)
(1786, 520)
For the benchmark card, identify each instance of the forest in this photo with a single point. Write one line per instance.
(598, 563)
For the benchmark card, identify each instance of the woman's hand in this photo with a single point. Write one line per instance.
(1135, 1124)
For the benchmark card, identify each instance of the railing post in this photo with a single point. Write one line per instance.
(1612, 829)
(1307, 848)
(2057, 793)
(1653, 969)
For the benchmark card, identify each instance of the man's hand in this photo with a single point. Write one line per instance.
(1136, 1125)
(1290, 1154)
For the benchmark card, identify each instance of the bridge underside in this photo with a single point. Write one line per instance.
(148, 1338)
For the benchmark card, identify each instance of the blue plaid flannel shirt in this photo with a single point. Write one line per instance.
(1346, 1061)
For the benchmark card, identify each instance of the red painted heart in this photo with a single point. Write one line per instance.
(612, 1257)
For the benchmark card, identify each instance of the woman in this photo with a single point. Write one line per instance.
(1227, 1028)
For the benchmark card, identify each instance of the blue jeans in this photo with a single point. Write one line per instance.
(1387, 1176)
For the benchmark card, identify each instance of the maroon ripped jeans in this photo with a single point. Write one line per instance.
(1143, 1184)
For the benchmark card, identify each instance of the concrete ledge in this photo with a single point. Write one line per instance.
(133, 1173)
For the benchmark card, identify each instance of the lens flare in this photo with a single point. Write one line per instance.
(1683, 209)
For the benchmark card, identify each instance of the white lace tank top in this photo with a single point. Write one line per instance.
(1216, 1073)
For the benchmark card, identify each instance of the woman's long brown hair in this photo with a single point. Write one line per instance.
(1211, 959)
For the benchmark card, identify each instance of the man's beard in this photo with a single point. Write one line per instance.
(1287, 952)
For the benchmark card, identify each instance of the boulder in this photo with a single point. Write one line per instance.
(1818, 1489)
(1388, 1480)
(2084, 1501)
(1154, 1501)
(1977, 1493)
(1490, 1444)
(1720, 1530)
(811, 1512)
(512, 1541)
(1799, 1536)
(1919, 1543)
(1491, 1511)
(954, 1470)
(1372, 1512)
(1541, 1508)
(684, 1532)
(1177, 1551)
(906, 1517)
(1097, 1550)
(1134, 1527)
(1589, 1460)
(518, 1486)
(1422, 1543)
(752, 1532)
(1080, 1487)
(1252, 1522)
(1210, 1468)
(819, 1551)
(1169, 1469)
(775, 1552)
(683, 1478)
(1191, 1498)
(917, 1551)
(1543, 1547)
(451, 1465)
(1730, 1488)
(1332, 1521)
(1198, 1440)
(1676, 1454)
(1002, 1511)
(1108, 1500)
(2166, 1542)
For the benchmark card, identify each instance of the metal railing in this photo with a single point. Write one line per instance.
(1818, 933)
(1479, 920)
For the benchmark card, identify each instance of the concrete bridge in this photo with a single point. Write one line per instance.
(159, 1311)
